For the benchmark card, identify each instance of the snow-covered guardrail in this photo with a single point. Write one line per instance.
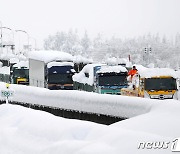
(112, 105)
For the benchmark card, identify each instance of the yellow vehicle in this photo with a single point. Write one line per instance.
(22, 81)
(156, 83)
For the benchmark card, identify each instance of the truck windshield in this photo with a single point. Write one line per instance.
(160, 84)
(112, 80)
(21, 72)
(60, 78)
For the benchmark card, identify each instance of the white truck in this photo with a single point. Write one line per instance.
(51, 69)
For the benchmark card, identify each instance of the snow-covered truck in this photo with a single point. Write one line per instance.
(19, 73)
(154, 83)
(80, 62)
(51, 69)
(101, 78)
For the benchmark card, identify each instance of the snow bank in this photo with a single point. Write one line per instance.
(114, 105)
(120, 106)
(50, 55)
(25, 130)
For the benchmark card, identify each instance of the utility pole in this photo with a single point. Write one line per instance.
(12, 45)
(27, 36)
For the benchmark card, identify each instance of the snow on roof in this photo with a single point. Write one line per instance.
(5, 70)
(51, 64)
(109, 69)
(81, 59)
(80, 77)
(21, 57)
(22, 64)
(112, 61)
(14, 60)
(50, 55)
(7, 56)
(116, 61)
(157, 72)
(140, 68)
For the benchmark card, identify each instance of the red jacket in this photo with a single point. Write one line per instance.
(132, 72)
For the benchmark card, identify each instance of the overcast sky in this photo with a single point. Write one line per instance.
(122, 18)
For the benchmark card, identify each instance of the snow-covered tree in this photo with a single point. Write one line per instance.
(85, 42)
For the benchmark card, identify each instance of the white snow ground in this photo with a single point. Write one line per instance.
(27, 131)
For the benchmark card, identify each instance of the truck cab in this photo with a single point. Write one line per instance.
(156, 83)
(101, 78)
(108, 81)
(19, 73)
(59, 75)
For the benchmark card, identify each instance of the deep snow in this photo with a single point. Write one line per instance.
(25, 130)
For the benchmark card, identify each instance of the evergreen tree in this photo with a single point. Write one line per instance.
(85, 42)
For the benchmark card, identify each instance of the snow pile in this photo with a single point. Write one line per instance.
(50, 55)
(80, 77)
(140, 68)
(157, 72)
(24, 130)
(22, 64)
(81, 59)
(14, 60)
(110, 69)
(114, 105)
(5, 70)
(51, 64)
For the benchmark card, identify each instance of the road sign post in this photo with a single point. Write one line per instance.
(7, 93)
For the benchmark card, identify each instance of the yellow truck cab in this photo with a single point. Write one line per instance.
(154, 83)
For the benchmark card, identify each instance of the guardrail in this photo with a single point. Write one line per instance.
(101, 108)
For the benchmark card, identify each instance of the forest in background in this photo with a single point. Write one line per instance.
(160, 50)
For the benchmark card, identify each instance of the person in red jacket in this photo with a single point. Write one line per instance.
(132, 72)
